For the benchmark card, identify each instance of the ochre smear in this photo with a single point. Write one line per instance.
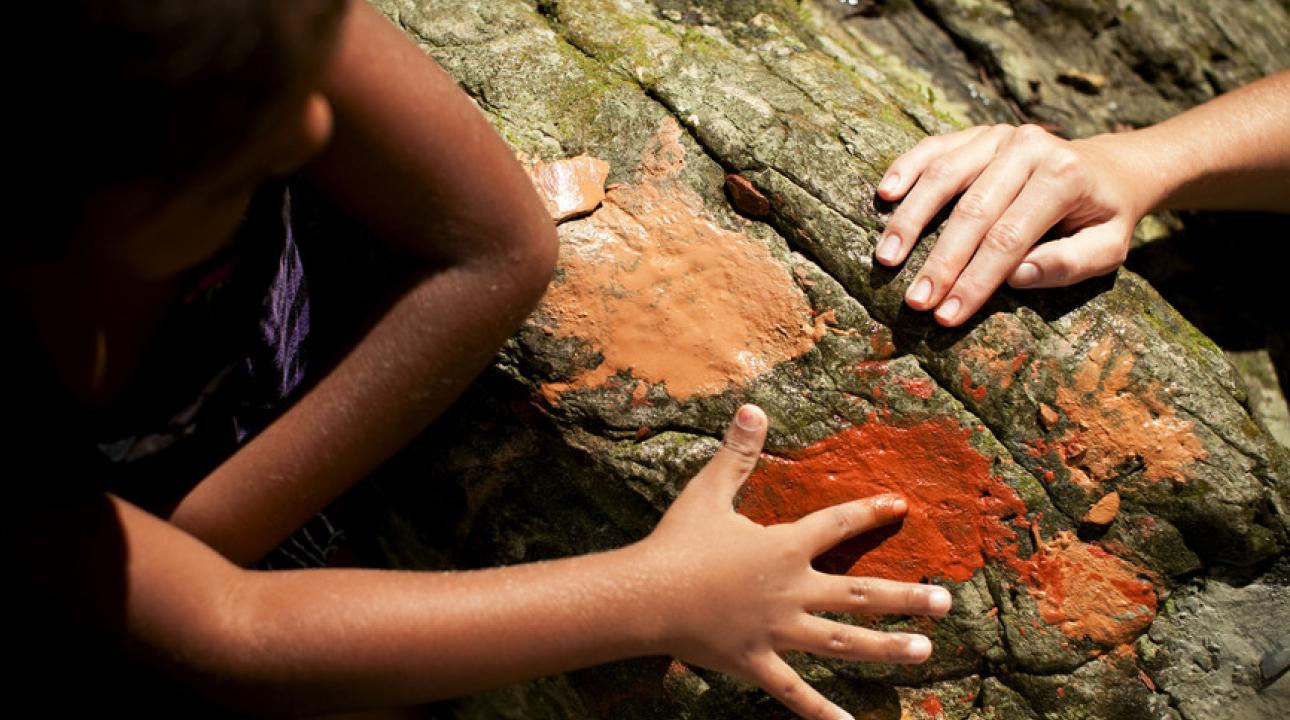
(960, 517)
(958, 511)
(1088, 592)
(1116, 424)
(664, 292)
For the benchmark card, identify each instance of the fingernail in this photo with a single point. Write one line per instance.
(1025, 274)
(889, 183)
(897, 504)
(919, 647)
(888, 248)
(949, 310)
(747, 418)
(921, 292)
(938, 601)
(844, 715)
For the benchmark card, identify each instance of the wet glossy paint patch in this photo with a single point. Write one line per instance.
(959, 513)
(961, 517)
(666, 294)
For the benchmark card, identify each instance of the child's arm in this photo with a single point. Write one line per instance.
(1017, 183)
(707, 586)
(417, 164)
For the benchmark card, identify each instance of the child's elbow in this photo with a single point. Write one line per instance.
(536, 257)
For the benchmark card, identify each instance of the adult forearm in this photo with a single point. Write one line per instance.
(1232, 152)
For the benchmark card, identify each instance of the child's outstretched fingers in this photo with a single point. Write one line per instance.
(772, 674)
(739, 593)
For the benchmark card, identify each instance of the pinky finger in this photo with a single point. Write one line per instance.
(1088, 253)
(784, 684)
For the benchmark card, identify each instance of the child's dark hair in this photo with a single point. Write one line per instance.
(114, 91)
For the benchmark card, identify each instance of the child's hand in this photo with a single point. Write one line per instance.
(740, 593)
(1017, 183)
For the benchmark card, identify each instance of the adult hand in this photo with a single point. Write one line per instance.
(1017, 183)
(742, 593)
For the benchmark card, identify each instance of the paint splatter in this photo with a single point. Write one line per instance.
(932, 706)
(958, 511)
(1117, 422)
(1103, 511)
(665, 293)
(570, 187)
(920, 388)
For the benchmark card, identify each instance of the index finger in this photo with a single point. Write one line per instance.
(825, 528)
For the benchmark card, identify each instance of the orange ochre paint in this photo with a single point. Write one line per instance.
(932, 706)
(960, 517)
(957, 508)
(664, 292)
(1117, 420)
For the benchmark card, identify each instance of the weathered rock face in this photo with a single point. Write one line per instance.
(1073, 459)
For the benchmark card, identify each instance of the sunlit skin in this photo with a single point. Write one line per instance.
(1017, 183)
(397, 146)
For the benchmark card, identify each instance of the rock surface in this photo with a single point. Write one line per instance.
(671, 308)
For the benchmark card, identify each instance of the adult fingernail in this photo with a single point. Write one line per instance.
(921, 292)
(919, 646)
(949, 310)
(844, 715)
(889, 183)
(938, 601)
(747, 418)
(888, 248)
(1025, 274)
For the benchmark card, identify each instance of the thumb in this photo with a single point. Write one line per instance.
(1093, 251)
(736, 458)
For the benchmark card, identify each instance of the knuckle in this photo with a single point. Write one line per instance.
(940, 170)
(1064, 164)
(970, 207)
(1031, 134)
(1003, 237)
(861, 590)
(792, 691)
(741, 448)
(844, 519)
(840, 641)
